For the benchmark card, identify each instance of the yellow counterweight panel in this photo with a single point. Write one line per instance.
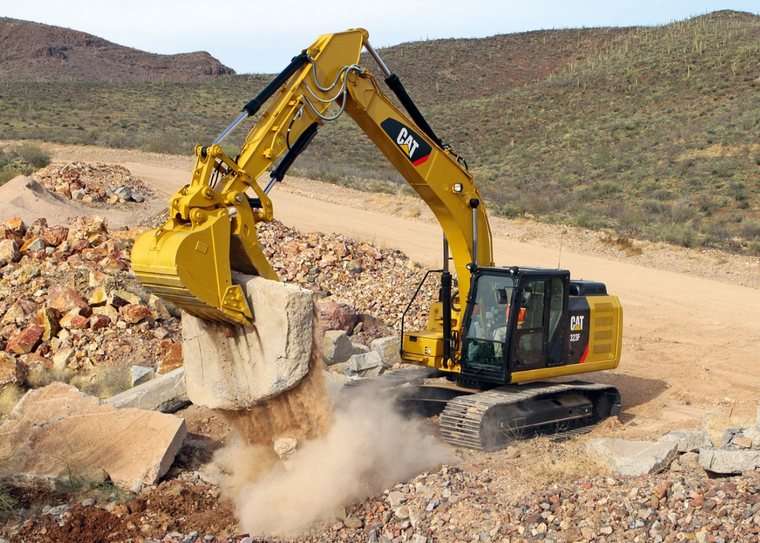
(606, 334)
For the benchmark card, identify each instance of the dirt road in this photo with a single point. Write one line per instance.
(690, 342)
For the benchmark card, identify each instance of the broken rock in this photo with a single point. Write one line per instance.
(634, 457)
(64, 299)
(134, 447)
(336, 347)
(234, 367)
(165, 393)
(8, 252)
(25, 341)
(389, 349)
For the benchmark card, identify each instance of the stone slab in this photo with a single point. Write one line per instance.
(634, 457)
(166, 393)
(726, 461)
(57, 432)
(235, 367)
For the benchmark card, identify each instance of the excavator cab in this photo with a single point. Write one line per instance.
(515, 322)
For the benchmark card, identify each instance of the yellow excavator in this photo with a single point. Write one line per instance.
(494, 334)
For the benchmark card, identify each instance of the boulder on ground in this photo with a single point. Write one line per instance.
(234, 367)
(336, 316)
(57, 432)
(634, 457)
(336, 347)
(389, 349)
(166, 393)
(725, 461)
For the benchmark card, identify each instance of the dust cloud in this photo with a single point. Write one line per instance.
(345, 453)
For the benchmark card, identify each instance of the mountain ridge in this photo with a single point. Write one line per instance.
(40, 52)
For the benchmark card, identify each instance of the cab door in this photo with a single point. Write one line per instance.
(540, 335)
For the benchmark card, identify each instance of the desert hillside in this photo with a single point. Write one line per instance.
(38, 52)
(647, 132)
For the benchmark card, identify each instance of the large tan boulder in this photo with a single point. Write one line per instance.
(235, 367)
(57, 432)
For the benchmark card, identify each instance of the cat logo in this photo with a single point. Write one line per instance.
(576, 323)
(410, 143)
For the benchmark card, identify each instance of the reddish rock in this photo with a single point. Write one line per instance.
(134, 313)
(336, 316)
(64, 299)
(97, 278)
(26, 341)
(74, 320)
(110, 263)
(55, 235)
(98, 321)
(94, 230)
(172, 358)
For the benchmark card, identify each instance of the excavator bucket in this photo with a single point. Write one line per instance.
(189, 265)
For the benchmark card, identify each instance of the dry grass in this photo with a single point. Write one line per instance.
(103, 382)
(9, 397)
(545, 461)
(621, 243)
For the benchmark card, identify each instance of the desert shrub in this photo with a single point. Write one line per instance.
(43, 376)
(164, 143)
(677, 234)
(7, 173)
(753, 248)
(750, 230)
(103, 382)
(33, 155)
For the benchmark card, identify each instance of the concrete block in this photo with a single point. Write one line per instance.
(389, 350)
(634, 457)
(56, 431)
(336, 347)
(726, 461)
(166, 393)
(234, 367)
(687, 440)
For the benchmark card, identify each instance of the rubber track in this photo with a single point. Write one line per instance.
(461, 419)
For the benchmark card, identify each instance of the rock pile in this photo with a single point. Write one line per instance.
(457, 505)
(376, 282)
(67, 302)
(97, 184)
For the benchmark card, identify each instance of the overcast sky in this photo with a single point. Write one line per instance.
(258, 36)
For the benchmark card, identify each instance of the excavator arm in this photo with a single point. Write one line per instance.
(212, 226)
